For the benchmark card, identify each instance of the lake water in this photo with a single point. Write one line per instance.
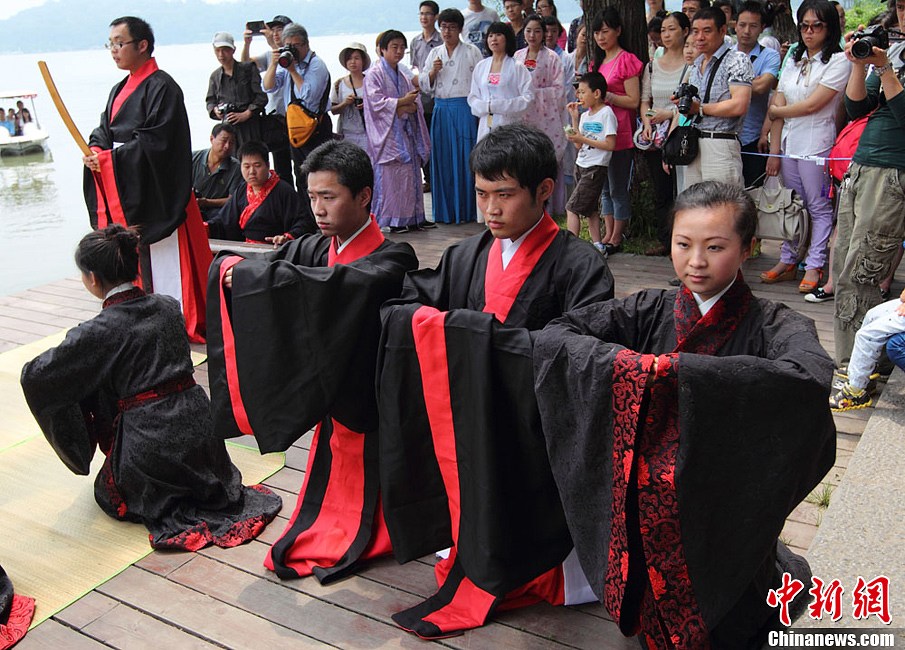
(42, 211)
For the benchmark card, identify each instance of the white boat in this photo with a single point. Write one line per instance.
(33, 139)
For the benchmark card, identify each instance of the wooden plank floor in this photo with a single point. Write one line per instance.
(225, 597)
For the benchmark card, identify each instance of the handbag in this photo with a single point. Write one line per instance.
(681, 146)
(781, 214)
(301, 123)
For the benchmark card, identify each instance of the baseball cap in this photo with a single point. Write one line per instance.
(224, 39)
(279, 20)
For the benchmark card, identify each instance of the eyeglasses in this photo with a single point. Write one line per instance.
(811, 27)
(449, 28)
(116, 47)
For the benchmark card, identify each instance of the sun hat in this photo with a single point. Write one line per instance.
(351, 47)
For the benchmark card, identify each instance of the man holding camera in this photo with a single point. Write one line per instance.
(302, 78)
(234, 92)
(720, 83)
(871, 218)
(273, 127)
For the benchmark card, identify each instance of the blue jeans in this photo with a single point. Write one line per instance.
(895, 350)
(615, 199)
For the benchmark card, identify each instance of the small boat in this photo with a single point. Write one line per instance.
(30, 137)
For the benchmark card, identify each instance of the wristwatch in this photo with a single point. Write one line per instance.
(701, 109)
(883, 69)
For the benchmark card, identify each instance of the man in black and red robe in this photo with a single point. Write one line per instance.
(694, 438)
(293, 343)
(457, 418)
(140, 173)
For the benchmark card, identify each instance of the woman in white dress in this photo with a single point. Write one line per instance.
(500, 87)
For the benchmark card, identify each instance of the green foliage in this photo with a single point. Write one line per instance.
(821, 496)
(862, 12)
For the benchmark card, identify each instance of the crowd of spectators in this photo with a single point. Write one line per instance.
(767, 91)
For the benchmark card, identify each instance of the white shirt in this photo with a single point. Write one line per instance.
(596, 126)
(454, 79)
(476, 24)
(812, 134)
(339, 249)
(509, 247)
(706, 305)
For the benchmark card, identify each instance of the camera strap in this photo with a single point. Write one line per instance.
(713, 70)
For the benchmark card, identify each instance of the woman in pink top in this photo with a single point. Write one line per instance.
(622, 71)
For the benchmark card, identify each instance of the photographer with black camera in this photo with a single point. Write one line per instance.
(722, 77)
(297, 73)
(234, 92)
(871, 221)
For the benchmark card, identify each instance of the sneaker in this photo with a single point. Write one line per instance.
(840, 379)
(849, 398)
(398, 229)
(600, 246)
(819, 295)
(427, 225)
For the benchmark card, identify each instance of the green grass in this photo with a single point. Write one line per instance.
(821, 495)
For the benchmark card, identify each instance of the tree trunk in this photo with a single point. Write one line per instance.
(634, 23)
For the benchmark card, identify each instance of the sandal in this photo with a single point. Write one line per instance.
(807, 286)
(771, 277)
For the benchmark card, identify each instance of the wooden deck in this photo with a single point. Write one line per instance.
(225, 598)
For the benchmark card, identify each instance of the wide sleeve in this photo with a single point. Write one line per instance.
(380, 109)
(293, 220)
(476, 99)
(316, 321)
(424, 80)
(62, 387)
(520, 95)
(587, 278)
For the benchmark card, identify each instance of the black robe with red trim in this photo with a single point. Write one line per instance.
(461, 454)
(16, 612)
(570, 274)
(278, 214)
(676, 482)
(146, 181)
(152, 158)
(122, 382)
(321, 327)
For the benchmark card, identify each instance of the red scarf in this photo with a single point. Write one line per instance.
(256, 199)
(148, 68)
(364, 244)
(501, 287)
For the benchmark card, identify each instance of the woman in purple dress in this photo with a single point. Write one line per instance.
(398, 141)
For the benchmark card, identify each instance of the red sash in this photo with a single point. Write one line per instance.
(501, 287)
(255, 199)
(364, 244)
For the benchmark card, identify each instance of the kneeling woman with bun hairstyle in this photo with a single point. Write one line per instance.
(122, 381)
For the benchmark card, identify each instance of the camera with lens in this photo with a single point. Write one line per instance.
(866, 40)
(226, 108)
(287, 55)
(685, 93)
(359, 102)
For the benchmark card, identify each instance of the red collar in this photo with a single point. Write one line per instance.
(365, 243)
(501, 287)
(147, 68)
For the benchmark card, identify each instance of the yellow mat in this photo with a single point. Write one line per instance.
(57, 544)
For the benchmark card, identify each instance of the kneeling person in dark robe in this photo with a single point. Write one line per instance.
(267, 209)
(294, 345)
(457, 412)
(122, 381)
(683, 426)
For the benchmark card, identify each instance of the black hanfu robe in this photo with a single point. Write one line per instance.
(462, 458)
(294, 345)
(16, 612)
(279, 214)
(122, 381)
(144, 151)
(676, 481)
